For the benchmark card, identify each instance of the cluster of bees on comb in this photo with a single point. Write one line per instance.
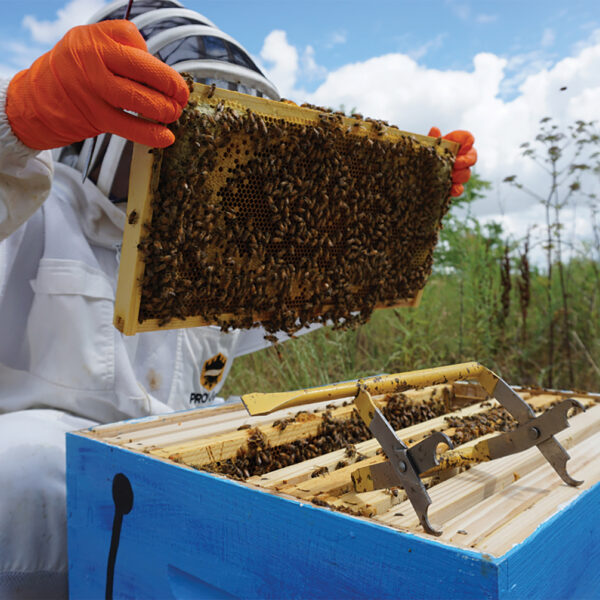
(471, 427)
(259, 457)
(259, 220)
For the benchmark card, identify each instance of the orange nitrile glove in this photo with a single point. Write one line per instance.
(466, 157)
(82, 87)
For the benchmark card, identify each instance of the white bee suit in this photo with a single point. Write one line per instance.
(63, 365)
(62, 332)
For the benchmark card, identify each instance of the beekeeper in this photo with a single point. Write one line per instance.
(63, 366)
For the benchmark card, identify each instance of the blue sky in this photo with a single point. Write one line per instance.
(492, 67)
(441, 34)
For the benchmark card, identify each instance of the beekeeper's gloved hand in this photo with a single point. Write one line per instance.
(83, 85)
(466, 157)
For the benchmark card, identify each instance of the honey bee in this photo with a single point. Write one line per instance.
(320, 471)
(319, 502)
(350, 451)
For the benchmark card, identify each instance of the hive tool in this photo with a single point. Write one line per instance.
(404, 465)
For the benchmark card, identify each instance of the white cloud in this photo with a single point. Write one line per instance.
(75, 12)
(433, 44)
(336, 38)
(460, 9)
(284, 64)
(548, 38)
(18, 56)
(521, 66)
(282, 61)
(6, 72)
(310, 67)
(592, 39)
(485, 19)
(531, 220)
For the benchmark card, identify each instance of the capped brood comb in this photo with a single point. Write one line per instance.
(263, 212)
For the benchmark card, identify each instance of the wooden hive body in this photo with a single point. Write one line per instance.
(511, 528)
(317, 216)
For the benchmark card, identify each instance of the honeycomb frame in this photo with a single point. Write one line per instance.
(147, 169)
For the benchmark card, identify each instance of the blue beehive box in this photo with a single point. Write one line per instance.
(142, 525)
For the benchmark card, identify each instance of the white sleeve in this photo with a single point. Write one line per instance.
(25, 175)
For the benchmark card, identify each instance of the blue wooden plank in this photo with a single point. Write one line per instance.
(193, 535)
(560, 559)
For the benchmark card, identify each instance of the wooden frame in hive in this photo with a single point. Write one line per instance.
(269, 234)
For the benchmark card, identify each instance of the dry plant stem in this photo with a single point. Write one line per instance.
(565, 312)
(586, 352)
(524, 284)
(506, 284)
